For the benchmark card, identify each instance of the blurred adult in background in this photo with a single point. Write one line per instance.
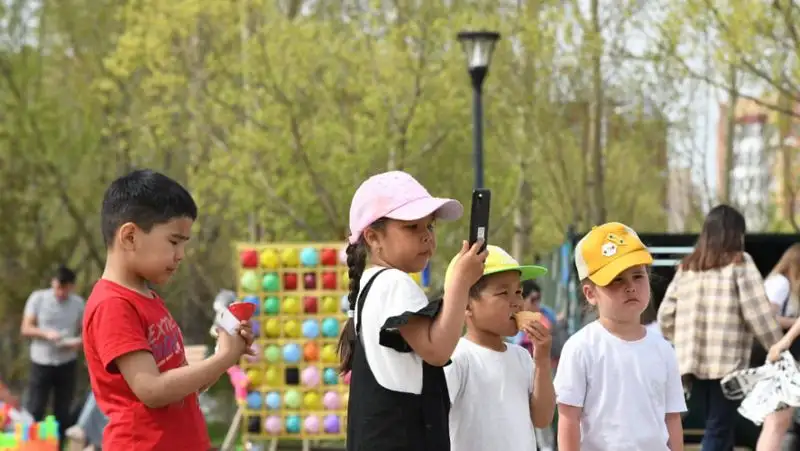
(52, 321)
(782, 286)
(712, 310)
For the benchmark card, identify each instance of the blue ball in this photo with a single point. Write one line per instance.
(309, 257)
(291, 353)
(293, 424)
(273, 400)
(254, 400)
(253, 300)
(344, 304)
(330, 327)
(330, 376)
(310, 328)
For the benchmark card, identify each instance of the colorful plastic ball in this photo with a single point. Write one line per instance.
(330, 376)
(329, 280)
(344, 303)
(311, 424)
(273, 425)
(310, 281)
(271, 283)
(293, 424)
(290, 281)
(272, 305)
(269, 259)
(346, 377)
(249, 281)
(310, 328)
(248, 258)
(330, 327)
(272, 376)
(253, 377)
(272, 354)
(273, 400)
(291, 353)
(290, 257)
(291, 305)
(310, 352)
(310, 376)
(331, 400)
(331, 424)
(272, 328)
(343, 255)
(345, 399)
(309, 257)
(344, 279)
(328, 353)
(254, 400)
(310, 304)
(257, 350)
(292, 399)
(328, 257)
(329, 305)
(256, 326)
(311, 400)
(291, 328)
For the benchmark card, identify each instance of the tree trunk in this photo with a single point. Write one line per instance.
(523, 218)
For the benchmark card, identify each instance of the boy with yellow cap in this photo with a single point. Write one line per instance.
(617, 385)
(497, 391)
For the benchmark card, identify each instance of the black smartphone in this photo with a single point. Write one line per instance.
(479, 217)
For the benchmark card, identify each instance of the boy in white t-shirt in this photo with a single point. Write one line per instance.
(498, 393)
(618, 386)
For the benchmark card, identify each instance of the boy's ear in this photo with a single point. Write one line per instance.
(126, 236)
(590, 293)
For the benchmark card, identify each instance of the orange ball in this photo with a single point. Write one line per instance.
(310, 352)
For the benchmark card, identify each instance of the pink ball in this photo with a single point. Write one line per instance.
(310, 376)
(343, 255)
(347, 378)
(311, 424)
(332, 400)
(273, 424)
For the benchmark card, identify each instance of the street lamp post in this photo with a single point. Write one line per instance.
(478, 47)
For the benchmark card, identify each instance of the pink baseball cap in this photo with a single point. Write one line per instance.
(396, 195)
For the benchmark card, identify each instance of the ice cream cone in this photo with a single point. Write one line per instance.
(524, 317)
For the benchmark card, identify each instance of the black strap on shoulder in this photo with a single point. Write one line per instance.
(362, 296)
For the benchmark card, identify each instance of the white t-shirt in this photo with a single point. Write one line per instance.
(624, 387)
(490, 395)
(393, 293)
(778, 288)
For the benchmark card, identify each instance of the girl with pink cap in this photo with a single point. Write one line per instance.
(396, 343)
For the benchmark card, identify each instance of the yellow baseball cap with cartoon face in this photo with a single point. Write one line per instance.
(498, 260)
(608, 250)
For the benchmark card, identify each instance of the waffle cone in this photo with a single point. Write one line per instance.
(525, 317)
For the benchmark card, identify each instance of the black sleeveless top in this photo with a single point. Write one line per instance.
(379, 419)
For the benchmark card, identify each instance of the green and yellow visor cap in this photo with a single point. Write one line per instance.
(498, 261)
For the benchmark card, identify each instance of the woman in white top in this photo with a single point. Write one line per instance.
(782, 287)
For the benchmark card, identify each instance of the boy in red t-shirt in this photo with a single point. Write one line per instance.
(134, 348)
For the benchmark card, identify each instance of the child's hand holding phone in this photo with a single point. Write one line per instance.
(468, 267)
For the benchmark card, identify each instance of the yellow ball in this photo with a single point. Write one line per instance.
(291, 328)
(311, 400)
(272, 328)
(344, 279)
(254, 377)
(330, 305)
(290, 257)
(272, 377)
(269, 259)
(328, 353)
(291, 305)
(345, 399)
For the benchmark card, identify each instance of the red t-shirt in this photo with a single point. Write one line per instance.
(119, 321)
